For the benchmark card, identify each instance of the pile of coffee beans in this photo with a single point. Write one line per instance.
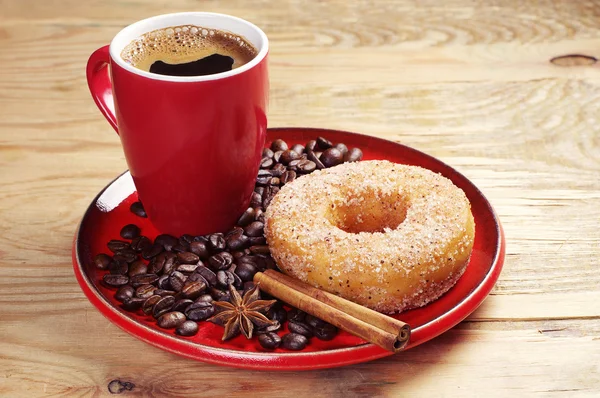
(177, 279)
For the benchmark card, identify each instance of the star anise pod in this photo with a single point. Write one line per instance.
(242, 314)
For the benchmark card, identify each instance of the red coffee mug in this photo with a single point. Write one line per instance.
(193, 144)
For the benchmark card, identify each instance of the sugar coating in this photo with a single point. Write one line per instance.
(388, 236)
(180, 44)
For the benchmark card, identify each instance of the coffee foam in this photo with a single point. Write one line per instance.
(186, 43)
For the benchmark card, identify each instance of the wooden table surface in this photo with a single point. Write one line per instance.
(468, 81)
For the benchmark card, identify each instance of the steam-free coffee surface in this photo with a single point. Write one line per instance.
(188, 51)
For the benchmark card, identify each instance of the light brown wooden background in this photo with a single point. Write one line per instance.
(467, 81)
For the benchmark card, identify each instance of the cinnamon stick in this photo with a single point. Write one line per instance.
(390, 334)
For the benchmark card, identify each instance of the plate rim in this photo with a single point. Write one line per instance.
(363, 352)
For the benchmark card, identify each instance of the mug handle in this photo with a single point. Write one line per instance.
(100, 86)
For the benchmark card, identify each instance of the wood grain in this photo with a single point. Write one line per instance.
(468, 81)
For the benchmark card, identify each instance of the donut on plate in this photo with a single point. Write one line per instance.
(388, 236)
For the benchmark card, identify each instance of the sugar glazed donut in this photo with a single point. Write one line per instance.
(388, 236)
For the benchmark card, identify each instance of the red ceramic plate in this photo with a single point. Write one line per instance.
(109, 212)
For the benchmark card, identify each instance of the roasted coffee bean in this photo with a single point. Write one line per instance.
(179, 248)
(237, 282)
(288, 156)
(117, 280)
(277, 313)
(220, 261)
(298, 148)
(254, 229)
(332, 157)
(130, 231)
(163, 282)
(260, 215)
(186, 239)
(269, 340)
(137, 267)
(311, 145)
(166, 241)
(259, 190)
(124, 293)
(269, 195)
(353, 155)
(294, 342)
(277, 156)
(133, 304)
(170, 320)
(115, 245)
(342, 148)
(247, 259)
(278, 170)
(267, 153)
(196, 277)
(275, 181)
(156, 264)
(199, 248)
(257, 241)
(323, 143)
(300, 328)
(193, 290)
(246, 218)
(219, 295)
(102, 261)
(170, 262)
(269, 263)
(163, 305)
(145, 291)
(275, 326)
(256, 200)
(260, 249)
(225, 278)
(143, 279)
(151, 251)
(314, 157)
(326, 332)
(313, 321)
(293, 165)
(288, 177)
(306, 166)
(187, 328)
(266, 163)
(245, 271)
(216, 242)
(118, 267)
(165, 292)
(247, 286)
(140, 243)
(263, 177)
(207, 274)
(237, 240)
(296, 315)
(181, 305)
(279, 145)
(188, 258)
(137, 208)
(187, 268)
(129, 255)
(200, 310)
(177, 280)
(205, 297)
(149, 304)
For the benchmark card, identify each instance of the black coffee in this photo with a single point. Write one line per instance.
(188, 51)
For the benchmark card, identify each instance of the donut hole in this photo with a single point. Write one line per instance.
(369, 212)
